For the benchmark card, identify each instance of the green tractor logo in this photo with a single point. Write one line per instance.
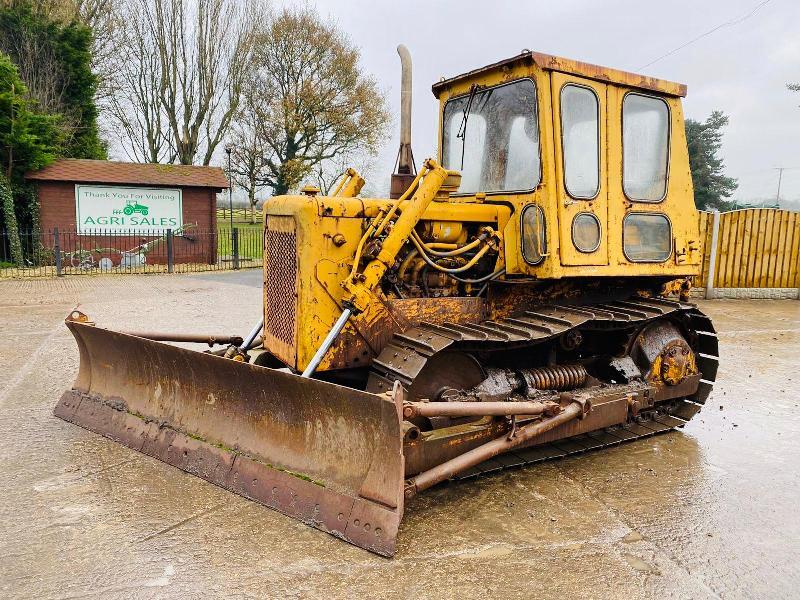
(131, 206)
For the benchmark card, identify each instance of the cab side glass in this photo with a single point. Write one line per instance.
(492, 137)
(647, 237)
(645, 147)
(580, 141)
(534, 242)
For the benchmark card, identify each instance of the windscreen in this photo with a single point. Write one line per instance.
(492, 137)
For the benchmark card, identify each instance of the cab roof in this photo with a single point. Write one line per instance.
(573, 67)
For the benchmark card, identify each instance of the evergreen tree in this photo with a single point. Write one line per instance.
(711, 186)
(80, 86)
(28, 140)
(54, 61)
(793, 87)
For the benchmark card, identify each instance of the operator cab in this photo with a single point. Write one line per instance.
(593, 162)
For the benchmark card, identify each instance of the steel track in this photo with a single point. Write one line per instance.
(406, 356)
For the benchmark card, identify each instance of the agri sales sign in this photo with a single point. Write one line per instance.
(102, 208)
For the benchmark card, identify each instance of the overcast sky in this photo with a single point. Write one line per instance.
(741, 69)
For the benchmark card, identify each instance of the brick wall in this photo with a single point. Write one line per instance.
(57, 202)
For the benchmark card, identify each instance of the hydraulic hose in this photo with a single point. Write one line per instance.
(360, 249)
(401, 272)
(472, 262)
(491, 278)
(458, 250)
(488, 277)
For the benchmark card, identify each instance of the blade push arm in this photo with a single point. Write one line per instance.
(359, 286)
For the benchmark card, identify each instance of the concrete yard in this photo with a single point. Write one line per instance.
(707, 512)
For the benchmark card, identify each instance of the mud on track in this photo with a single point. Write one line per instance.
(704, 513)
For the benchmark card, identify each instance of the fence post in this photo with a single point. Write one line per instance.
(170, 252)
(712, 259)
(57, 251)
(235, 243)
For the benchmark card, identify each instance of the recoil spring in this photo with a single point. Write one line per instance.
(557, 377)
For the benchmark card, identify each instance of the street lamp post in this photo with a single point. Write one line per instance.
(228, 150)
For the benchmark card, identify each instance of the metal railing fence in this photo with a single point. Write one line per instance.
(66, 252)
(753, 248)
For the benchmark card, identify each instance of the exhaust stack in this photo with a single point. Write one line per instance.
(406, 169)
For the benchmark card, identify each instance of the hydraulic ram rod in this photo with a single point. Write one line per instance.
(473, 457)
(478, 409)
(247, 343)
(327, 343)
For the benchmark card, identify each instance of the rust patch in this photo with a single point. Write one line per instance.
(199, 412)
(368, 333)
(438, 310)
(575, 67)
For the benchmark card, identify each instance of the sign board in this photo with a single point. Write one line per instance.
(101, 208)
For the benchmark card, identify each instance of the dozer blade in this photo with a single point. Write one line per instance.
(326, 455)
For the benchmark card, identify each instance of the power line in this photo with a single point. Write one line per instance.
(707, 33)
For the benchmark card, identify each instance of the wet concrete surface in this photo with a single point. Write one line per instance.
(707, 512)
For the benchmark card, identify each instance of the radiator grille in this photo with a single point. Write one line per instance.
(280, 278)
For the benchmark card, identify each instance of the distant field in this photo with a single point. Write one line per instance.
(250, 242)
(240, 215)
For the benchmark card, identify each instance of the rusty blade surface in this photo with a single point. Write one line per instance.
(324, 454)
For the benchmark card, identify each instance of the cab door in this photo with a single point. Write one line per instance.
(579, 126)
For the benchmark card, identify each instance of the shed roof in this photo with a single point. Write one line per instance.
(107, 171)
(573, 67)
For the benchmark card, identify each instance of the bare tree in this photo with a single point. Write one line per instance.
(104, 20)
(204, 53)
(134, 103)
(313, 102)
(249, 152)
(178, 75)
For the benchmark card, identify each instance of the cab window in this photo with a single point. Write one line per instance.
(534, 238)
(580, 141)
(492, 137)
(646, 237)
(645, 144)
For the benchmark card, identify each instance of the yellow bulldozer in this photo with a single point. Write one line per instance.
(521, 297)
